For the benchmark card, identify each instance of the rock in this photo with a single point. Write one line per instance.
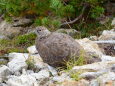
(52, 71)
(107, 48)
(32, 49)
(42, 77)
(23, 80)
(107, 35)
(75, 83)
(4, 73)
(94, 67)
(56, 48)
(91, 75)
(3, 37)
(3, 61)
(63, 77)
(71, 32)
(107, 58)
(21, 22)
(17, 62)
(41, 74)
(93, 38)
(17, 65)
(18, 56)
(36, 58)
(90, 47)
(94, 83)
(17, 26)
(106, 78)
(3, 84)
(40, 65)
(113, 22)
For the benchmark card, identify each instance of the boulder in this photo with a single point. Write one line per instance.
(14, 28)
(107, 35)
(90, 47)
(72, 32)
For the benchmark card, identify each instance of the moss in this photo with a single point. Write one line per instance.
(17, 44)
(26, 40)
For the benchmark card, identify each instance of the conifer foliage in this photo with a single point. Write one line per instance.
(52, 13)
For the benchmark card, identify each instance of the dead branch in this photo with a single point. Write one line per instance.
(76, 19)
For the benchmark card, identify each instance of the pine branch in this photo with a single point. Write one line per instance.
(76, 19)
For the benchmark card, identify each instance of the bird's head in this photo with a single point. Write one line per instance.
(42, 31)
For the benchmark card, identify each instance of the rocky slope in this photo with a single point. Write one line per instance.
(28, 69)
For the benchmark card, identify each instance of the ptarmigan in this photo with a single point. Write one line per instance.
(56, 48)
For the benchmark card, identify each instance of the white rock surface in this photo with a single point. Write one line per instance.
(94, 67)
(113, 22)
(32, 49)
(63, 77)
(90, 46)
(110, 76)
(52, 70)
(107, 35)
(18, 56)
(4, 72)
(41, 74)
(107, 58)
(17, 65)
(23, 80)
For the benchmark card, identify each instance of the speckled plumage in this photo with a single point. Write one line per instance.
(56, 48)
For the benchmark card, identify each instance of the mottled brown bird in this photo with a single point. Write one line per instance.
(56, 48)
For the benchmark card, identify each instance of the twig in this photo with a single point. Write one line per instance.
(76, 19)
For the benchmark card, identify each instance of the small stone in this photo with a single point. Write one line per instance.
(61, 78)
(113, 22)
(106, 78)
(52, 70)
(75, 83)
(4, 73)
(41, 74)
(93, 38)
(94, 83)
(32, 49)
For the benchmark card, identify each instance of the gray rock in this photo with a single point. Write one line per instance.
(94, 67)
(71, 32)
(3, 37)
(107, 48)
(3, 84)
(94, 83)
(17, 65)
(52, 71)
(93, 38)
(4, 73)
(42, 77)
(107, 35)
(14, 28)
(63, 77)
(18, 56)
(41, 74)
(21, 22)
(32, 49)
(110, 76)
(23, 80)
(113, 22)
